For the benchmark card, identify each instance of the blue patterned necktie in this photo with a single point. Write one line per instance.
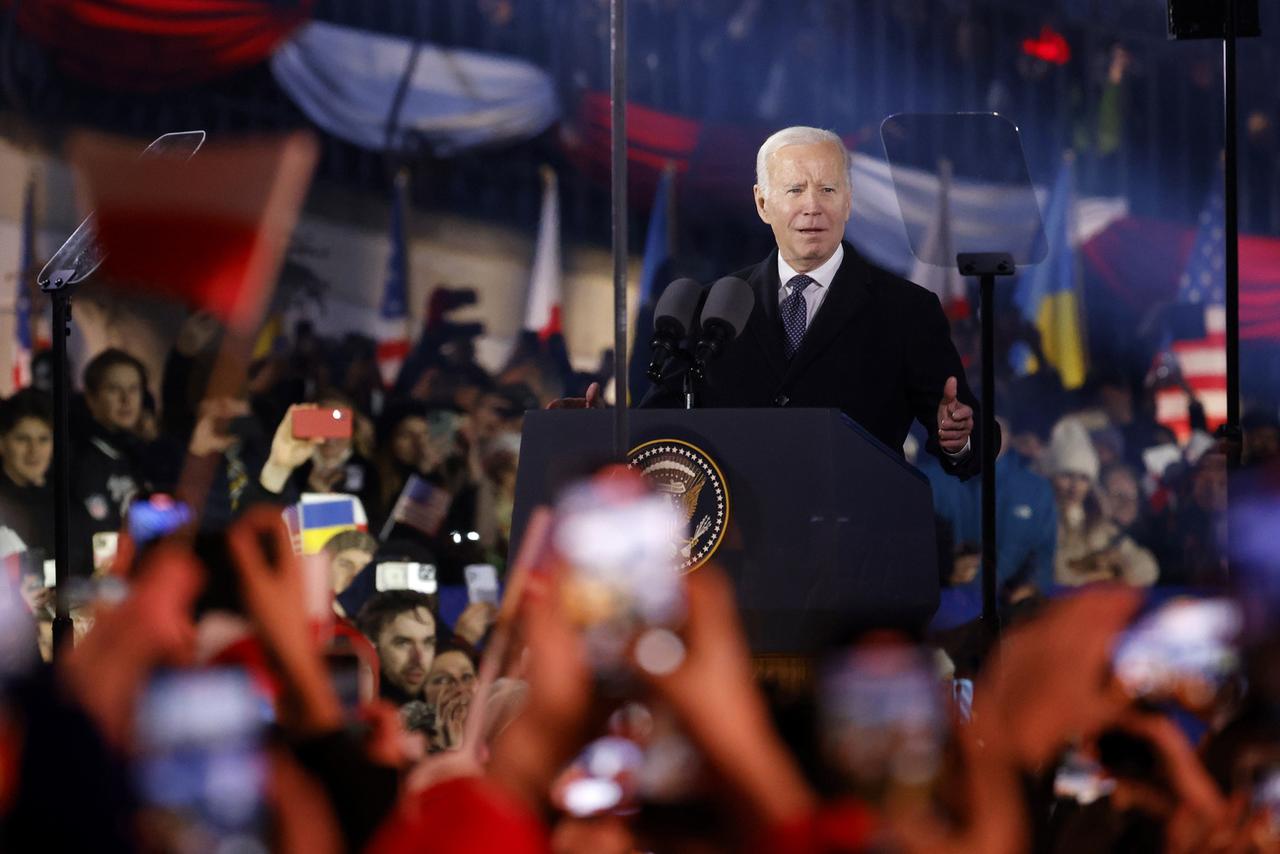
(794, 312)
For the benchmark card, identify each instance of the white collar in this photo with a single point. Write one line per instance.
(822, 275)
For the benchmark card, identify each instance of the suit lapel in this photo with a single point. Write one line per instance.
(848, 294)
(764, 323)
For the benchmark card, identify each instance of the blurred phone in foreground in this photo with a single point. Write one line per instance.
(201, 769)
(621, 543)
(1082, 779)
(882, 720)
(482, 583)
(155, 517)
(1184, 650)
(352, 680)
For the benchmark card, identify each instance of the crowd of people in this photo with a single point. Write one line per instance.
(248, 681)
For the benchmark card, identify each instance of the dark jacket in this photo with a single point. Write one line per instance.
(879, 349)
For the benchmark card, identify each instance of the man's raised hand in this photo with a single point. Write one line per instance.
(955, 419)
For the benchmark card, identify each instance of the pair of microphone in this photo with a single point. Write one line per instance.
(722, 318)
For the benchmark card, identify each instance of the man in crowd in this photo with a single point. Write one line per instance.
(828, 328)
(402, 626)
(110, 458)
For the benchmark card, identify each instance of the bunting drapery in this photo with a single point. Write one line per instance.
(154, 45)
(347, 82)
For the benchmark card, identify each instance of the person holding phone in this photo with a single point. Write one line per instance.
(312, 451)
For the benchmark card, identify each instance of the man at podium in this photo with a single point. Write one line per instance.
(830, 329)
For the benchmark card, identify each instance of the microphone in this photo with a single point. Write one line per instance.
(724, 315)
(672, 320)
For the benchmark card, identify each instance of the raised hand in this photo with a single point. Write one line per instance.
(287, 452)
(955, 419)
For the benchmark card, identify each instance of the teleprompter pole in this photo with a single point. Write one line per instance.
(61, 310)
(986, 266)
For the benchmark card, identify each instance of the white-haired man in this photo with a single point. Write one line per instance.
(829, 329)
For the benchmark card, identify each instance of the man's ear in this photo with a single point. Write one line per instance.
(758, 191)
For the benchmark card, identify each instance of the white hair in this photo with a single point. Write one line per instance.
(797, 135)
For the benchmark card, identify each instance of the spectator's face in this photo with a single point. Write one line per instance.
(345, 565)
(27, 450)
(1123, 498)
(410, 441)
(807, 204)
(1070, 488)
(117, 402)
(1209, 484)
(406, 647)
(451, 673)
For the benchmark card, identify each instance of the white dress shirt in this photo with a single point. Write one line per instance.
(815, 293)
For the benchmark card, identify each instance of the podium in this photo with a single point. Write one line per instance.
(828, 531)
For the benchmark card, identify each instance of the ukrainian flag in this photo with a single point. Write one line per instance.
(1050, 297)
(315, 519)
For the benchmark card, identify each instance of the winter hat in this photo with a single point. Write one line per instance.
(1070, 451)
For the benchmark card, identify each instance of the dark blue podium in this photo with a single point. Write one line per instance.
(828, 531)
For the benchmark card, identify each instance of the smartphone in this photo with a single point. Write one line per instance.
(1082, 779)
(155, 517)
(405, 575)
(201, 769)
(315, 422)
(482, 582)
(882, 720)
(622, 545)
(348, 680)
(49, 569)
(105, 544)
(603, 779)
(1266, 796)
(1184, 650)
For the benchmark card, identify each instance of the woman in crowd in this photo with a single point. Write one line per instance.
(1090, 546)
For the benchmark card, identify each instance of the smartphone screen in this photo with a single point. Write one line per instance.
(405, 575)
(1185, 650)
(482, 583)
(201, 770)
(882, 720)
(315, 422)
(155, 517)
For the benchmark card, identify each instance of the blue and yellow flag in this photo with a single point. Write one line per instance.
(1050, 295)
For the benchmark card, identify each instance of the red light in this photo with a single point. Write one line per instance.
(1050, 47)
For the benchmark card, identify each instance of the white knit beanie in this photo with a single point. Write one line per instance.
(1070, 451)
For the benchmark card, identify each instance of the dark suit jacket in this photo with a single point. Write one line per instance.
(879, 349)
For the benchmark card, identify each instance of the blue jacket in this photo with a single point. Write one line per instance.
(1026, 530)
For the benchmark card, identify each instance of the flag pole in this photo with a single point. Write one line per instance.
(618, 129)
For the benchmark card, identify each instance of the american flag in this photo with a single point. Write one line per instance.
(393, 313)
(422, 505)
(1202, 359)
(22, 344)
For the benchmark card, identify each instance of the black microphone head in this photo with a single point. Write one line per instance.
(676, 307)
(729, 304)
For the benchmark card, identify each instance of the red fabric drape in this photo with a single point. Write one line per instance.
(153, 45)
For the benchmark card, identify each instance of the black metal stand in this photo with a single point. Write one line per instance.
(1231, 227)
(986, 266)
(63, 636)
(618, 133)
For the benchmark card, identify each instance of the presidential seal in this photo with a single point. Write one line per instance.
(692, 481)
